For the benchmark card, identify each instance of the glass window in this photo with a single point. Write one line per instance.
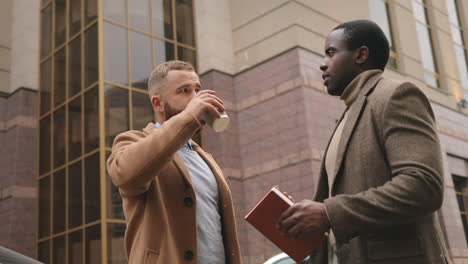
(46, 85)
(60, 17)
(164, 51)
(379, 13)
(59, 137)
(187, 55)
(91, 104)
(461, 191)
(93, 244)
(75, 16)
(117, 119)
(92, 187)
(143, 112)
(115, 243)
(59, 249)
(458, 41)
(75, 195)
(44, 252)
(44, 207)
(115, 10)
(91, 10)
(44, 146)
(139, 14)
(59, 202)
(115, 54)
(46, 31)
(91, 56)
(74, 67)
(75, 247)
(141, 59)
(74, 129)
(184, 16)
(59, 77)
(162, 18)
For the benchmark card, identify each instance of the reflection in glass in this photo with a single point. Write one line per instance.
(44, 252)
(46, 31)
(92, 183)
(162, 18)
(139, 14)
(74, 67)
(93, 244)
(60, 17)
(184, 18)
(142, 110)
(115, 10)
(115, 54)
(75, 16)
(75, 195)
(459, 41)
(59, 201)
(46, 85)
(379, 13)
(116, 245)
(187, 55)
(44, 145)
(91, 120)
(117, 119)
(59, 137)
(114, 200)
(75, 247)
(141, 59)
(59, 77)
(164, 51)
(59, 249)
(74, 129)
(91, 56)
(44, 207)
(90, 10)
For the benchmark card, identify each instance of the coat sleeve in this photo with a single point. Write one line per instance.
(136, 157)
(413, 152)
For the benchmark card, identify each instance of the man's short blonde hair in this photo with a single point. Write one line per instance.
(157, 78)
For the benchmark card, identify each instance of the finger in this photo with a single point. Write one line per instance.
(205, 92)
(219, 107)
(295, 231)
(288, 223)
(287, 213)
(213, 110)
(220, 102)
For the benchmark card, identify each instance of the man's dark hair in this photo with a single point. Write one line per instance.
(360, 33)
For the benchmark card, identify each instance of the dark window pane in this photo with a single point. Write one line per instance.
(75, 16)
(59, 201)
(74, 129)
(46, 31)
(75, 248)
(115, 54)
(187, 55)
(141, 59)
(114, 200)
(44, 252)
(93, 244)
(164, 51)
(162, 18)
(59, 249)
(91, 56)
(60, 15)
(90, 10)
(184, 18)
(117, 119)
(139, 14)
(46, 85)
(75, 192)
(116, 245)
(91, 120)
(115, 10)
(74, 67)
(59, 137)
(44, 146)
(59, 77)
(92, 183)
(44, 207)
(143, 112)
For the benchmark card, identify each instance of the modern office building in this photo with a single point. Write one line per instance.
(73, 75)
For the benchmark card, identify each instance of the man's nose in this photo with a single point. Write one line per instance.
(323, 66)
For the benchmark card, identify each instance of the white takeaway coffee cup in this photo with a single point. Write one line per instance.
(220, 124)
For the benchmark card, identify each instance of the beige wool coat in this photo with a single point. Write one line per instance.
(158, 196)
(388, 180)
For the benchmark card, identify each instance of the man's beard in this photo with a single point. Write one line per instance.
(170, 111)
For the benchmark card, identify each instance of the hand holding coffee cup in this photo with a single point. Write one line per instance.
(208, 108)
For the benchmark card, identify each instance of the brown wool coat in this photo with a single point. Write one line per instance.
(388, 180)
(158, 197)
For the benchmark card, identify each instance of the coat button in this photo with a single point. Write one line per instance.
(188, 201)
(188, 255)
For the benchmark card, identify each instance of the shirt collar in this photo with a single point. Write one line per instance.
(189, 143)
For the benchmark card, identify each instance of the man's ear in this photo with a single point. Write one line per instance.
(362, 55)
(157, 103)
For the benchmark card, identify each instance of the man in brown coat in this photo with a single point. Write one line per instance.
(176, 202)
(381, 178)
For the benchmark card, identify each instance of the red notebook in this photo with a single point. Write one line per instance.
(264, 216)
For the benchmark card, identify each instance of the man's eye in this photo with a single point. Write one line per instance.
(197, 90)
(185, 90)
